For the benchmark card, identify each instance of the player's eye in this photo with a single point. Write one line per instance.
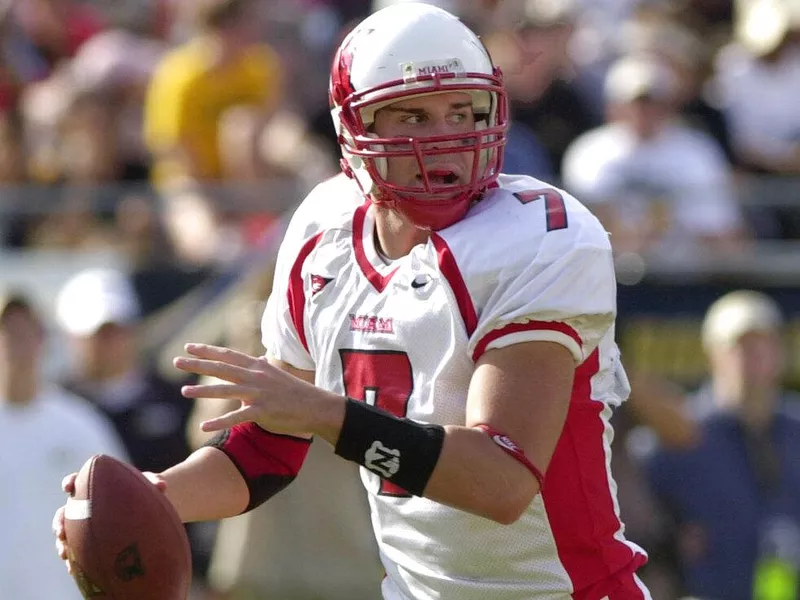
(460, 118)
(414, 119)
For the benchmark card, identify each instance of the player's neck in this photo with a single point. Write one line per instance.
(395, 235)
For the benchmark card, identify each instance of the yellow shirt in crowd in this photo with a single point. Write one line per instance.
(189, 93)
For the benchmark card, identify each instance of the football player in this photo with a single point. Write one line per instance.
(445, 326)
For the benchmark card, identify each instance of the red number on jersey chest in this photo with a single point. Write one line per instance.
(384, 379)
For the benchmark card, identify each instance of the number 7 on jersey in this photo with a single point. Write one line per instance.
(554, 206)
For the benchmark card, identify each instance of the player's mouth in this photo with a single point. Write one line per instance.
(441, 176)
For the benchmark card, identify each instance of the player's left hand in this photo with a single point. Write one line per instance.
(270, 397)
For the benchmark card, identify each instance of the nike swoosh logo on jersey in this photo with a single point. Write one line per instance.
(420, 281)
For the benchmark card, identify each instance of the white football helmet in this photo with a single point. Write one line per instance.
(406, 50)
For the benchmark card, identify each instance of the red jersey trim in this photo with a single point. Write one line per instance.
(295, 295)
(378, 281)
(451, 272)
(578, 498)
(495, 334)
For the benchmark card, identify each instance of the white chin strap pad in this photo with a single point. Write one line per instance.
(360, 170)
(485, 155)
(380, 163)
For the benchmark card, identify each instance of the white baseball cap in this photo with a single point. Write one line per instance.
(638, 76)
(761, 25)
(738, 313)
(96, 297)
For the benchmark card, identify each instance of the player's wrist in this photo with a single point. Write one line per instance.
(402, 451)
(326, 416)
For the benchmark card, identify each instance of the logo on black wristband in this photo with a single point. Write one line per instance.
(382, 460)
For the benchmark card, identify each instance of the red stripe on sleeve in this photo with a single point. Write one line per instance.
(296, 293)
(529, 326)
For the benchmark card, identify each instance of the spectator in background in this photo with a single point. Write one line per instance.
(14, 222)
(222, 67)
(44, 430)
(659, 33)
(764, 56)
(525, 153)
(12, 149)
(656, 183)
(758, 75)
(735, 495)
(539, 75)
(117, 66)
(84, 132)
(56, 29)
(99, 310)
(15, 68)
(223, 84)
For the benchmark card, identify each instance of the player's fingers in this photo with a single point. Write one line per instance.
(242, 415)
(68, 483)
(61, 550)
(58, 524)
(226, 355)
(215, 368)
(225, 391)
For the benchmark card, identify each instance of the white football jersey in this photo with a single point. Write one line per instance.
(528, 262)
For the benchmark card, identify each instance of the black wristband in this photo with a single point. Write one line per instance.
(398, 450)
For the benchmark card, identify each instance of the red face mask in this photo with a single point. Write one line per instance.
(433, 205)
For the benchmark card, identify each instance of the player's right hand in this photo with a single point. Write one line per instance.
(68, 485)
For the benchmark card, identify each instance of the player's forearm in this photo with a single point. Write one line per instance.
(458, 466)
(473, 474)
(206, 469)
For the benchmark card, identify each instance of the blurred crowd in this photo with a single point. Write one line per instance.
(178, 133)
(170, 129)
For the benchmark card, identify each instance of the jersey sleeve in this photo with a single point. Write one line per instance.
(282, 336)
(540, 282)
(570, 301)
(283, 324)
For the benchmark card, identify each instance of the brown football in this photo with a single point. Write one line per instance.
(126, 542)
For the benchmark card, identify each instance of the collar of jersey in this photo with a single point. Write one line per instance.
(369, 261)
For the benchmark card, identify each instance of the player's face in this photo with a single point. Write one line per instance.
(426, 116)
